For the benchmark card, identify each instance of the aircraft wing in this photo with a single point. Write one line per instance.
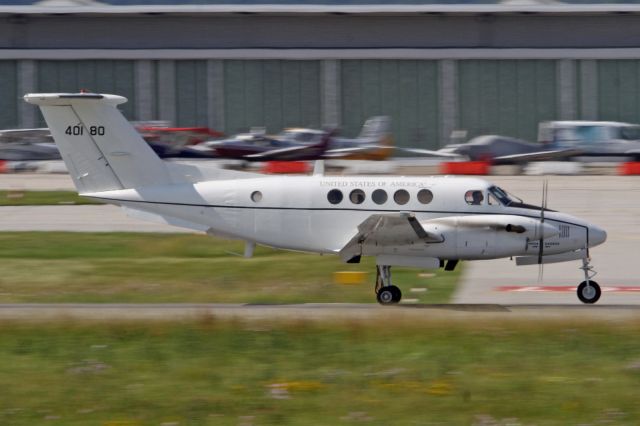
(288, 153)
(387, 229)
(300, 152)
(560, 154)
(344, 152)
(430, 153)
(20, 135)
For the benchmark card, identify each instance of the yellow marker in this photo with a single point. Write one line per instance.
(349, 277)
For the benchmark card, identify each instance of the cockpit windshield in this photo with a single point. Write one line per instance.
(501, 195)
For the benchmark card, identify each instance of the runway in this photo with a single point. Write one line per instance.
(315, 312)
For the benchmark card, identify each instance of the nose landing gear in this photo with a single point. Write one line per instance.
(386, 293)
(588, 291)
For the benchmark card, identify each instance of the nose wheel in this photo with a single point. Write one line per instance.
(589, 291)
(386, 293)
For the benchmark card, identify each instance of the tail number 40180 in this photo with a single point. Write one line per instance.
(79, 130)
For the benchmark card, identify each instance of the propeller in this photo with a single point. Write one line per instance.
(545, 186)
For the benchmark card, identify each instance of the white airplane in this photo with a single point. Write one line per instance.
(425, 222)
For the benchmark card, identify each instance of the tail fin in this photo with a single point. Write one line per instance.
(101, 149)
(376, 128)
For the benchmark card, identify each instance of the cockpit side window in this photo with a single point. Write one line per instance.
(474, 197)
(501, 195)
(493, 201)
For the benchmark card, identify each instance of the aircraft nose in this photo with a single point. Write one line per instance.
(597, 236)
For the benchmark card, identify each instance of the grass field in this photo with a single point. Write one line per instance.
(141, 267)
(207, 372)
(41, 198)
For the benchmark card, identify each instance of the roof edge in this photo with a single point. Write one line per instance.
(294, 9)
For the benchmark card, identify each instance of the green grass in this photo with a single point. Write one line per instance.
(141, 267)
(42, 198)
(207, 372)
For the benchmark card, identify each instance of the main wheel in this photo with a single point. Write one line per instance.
(388, 295)
(397, 294)
(589, 292)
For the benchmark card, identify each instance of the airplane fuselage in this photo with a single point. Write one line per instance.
(303, 213)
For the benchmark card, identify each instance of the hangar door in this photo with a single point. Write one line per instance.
(506, 97)
(271, 93)
(9, 95)
(405, 90)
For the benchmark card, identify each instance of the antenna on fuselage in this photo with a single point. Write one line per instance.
(318, 168)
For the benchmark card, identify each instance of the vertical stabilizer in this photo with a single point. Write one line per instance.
(376, 128)
(101, 149)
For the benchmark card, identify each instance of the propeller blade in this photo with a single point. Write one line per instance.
(545, 186)
(540, 273)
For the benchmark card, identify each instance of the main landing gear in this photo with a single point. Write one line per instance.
(588, 290)
(386, 293)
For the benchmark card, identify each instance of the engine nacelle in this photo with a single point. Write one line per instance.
(490, 236)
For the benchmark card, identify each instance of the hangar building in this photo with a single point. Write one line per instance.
(434, 69)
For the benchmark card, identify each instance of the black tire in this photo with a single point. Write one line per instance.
(385, 296)
(589, 294)
(397, 294)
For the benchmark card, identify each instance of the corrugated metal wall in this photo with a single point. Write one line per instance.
(506, 97)
(9, 96)
(272, 94)
(619, 90)
(403, 89)
(191, 93)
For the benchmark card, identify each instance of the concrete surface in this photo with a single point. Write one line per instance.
(86, 218)
(36, 182)
(316, 312)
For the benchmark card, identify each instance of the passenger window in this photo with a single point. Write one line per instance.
(474, 197)
(401, 197)
(256, 196)
(425, 196)
(357, 196)
(379, 196)
(334, 196)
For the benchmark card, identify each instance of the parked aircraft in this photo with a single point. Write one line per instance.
(557, 140)
(163, 132)
(38, 145)
(292, 144)
(424, 222)
(373, 143)
(501, 150)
